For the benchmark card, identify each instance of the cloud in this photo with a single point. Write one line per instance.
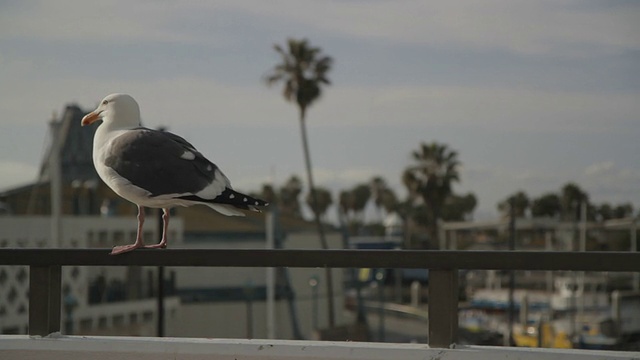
(110, 21)
(503, 107)
(610, 182)
(604, 181)
(165, 101)
(570, 28)
(541, 27)
(343, 177)
(171, 100)
(599, 169)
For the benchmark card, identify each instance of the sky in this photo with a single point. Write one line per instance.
(531, 94)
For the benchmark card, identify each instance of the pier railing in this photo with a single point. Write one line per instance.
(45, 271)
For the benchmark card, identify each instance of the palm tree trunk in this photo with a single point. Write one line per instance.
(433, 214)
(314, 198)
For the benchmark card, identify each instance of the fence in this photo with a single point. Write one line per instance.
(45, 271)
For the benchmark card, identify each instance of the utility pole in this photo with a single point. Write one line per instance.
(271, 274)
(512, 274)
(55, 177)
(160, 332)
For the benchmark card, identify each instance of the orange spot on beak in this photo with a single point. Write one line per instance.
(90, 118)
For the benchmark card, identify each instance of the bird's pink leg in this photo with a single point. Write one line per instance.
(165, 224)
(139, 241)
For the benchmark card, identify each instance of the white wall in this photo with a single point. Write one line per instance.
(228, 319)
(76, 232)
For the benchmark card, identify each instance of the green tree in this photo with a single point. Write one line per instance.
(458, 207)
(383, 196)
(430, 178)
(571, 198)
(303, 71)
(547, 205)
(324, 201)
(388, 200)
(290, 197)
(378, 186)
(520, 202)
(622, 211)
(351, 205)
(345, 202)
(361, 195)
(604, 212)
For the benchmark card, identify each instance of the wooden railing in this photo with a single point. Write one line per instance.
(45, 271)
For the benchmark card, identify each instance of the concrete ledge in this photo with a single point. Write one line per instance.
(19, 347)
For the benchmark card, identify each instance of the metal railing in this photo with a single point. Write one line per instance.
(45, 271)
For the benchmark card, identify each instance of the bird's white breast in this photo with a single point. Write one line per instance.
(102, 144)
(102, 148)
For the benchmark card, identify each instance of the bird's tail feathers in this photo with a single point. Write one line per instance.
(240, 200)
(229, 201)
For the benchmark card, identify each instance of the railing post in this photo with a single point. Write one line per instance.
(44, 299)
(443, 307)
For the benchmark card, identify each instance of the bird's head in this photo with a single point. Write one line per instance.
(120, 110)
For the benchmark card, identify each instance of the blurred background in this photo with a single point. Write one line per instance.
(418, 114)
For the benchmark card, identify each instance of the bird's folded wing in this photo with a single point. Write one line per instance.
(163, 164)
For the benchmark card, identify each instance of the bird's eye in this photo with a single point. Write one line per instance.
(104, 102)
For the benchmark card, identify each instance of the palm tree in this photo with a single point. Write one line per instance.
(604, 212)
(571, 198)
(346, 203)
(388, 200)
(459, 207)
(303, 71)
(520, 202)
(324, 200)
(547, 205)
(622, 211)
(431, 177)
(361, 194)
(378, 186)
(289, 194)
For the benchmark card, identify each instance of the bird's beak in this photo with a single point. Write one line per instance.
(91, 117)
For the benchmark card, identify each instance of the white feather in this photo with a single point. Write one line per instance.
(188, 155)
(225, 209)
(219, 184)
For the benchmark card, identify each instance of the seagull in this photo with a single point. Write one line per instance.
(156, 169)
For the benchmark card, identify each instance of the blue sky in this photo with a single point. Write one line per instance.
(532, 94)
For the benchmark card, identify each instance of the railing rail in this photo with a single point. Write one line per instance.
(45, 266)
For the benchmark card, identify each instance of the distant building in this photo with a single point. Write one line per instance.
(96, 300)
(83, 192)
